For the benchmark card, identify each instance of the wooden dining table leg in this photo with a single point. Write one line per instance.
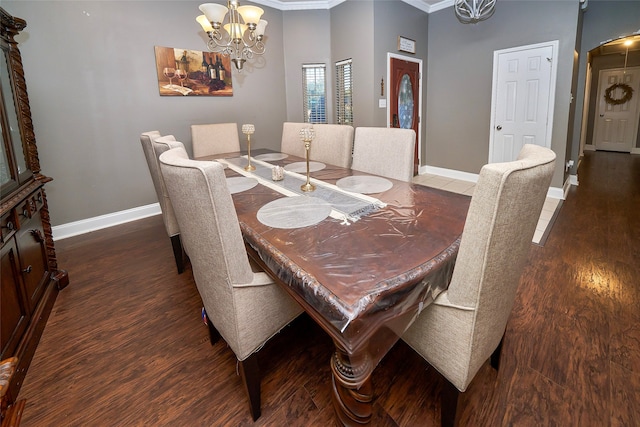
(352, 388)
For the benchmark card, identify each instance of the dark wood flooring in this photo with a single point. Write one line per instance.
(125, 345)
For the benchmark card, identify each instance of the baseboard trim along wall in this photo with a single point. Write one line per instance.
(589, 147)
(449, 173)
(554, 192)
(103, 221)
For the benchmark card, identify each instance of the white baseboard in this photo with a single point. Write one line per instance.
(449, 173)
(103, 221)
(554, 192)
(589, 147)
(566, 187)
(573, 180)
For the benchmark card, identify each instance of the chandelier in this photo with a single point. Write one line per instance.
(238, 38)
(473, 11)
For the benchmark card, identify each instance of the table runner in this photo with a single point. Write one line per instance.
(346, 206)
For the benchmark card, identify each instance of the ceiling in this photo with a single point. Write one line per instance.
(617, 46)
(427, 6)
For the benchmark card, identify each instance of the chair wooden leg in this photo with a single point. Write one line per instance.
(250, 374)
(495, 356)
(214, 335)
(449, 405)
(178, 252)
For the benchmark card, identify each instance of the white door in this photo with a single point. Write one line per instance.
(616, 125)
(522, 99)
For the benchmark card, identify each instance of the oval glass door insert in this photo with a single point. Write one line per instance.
(405, 102)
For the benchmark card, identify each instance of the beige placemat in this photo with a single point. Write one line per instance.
(294, 212)
(364, 184)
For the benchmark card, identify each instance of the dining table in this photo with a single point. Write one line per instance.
(362, 254)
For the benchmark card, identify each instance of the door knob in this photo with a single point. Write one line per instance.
(601, 115)
(499, 127)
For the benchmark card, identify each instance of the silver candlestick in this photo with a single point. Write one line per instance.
(307, 135)
(249, 130)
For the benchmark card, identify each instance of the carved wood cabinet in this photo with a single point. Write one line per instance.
(30, 275)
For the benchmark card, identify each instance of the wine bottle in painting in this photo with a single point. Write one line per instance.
(205, 66)
(213, 75)
(221, 69)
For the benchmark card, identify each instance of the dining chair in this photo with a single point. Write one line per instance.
(465, 324)
(215, 138)
(151, 154)
(245, 306)
(10, 413)
(291, 142)
(386, 152)
(332, 144)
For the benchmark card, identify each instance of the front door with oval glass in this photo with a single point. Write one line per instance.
(404, 101)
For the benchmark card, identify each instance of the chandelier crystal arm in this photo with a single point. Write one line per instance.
(240, 37)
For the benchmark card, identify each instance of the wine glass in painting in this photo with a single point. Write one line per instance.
(169, 73)
(181, 75)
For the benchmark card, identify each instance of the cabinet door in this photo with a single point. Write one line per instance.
(14, 169)
(13, 310)
(33, 258)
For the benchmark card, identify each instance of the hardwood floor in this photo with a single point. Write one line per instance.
(125, 345)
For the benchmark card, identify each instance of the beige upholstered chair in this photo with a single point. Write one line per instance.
(291, 142)
(384, 151)
(170, 223)
(217, 138)
(246, 307)
(465, 325)
(332, 143)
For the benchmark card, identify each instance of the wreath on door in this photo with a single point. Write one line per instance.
(626, 97)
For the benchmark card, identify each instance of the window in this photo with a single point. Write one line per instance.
(314, 93)
(344, 92)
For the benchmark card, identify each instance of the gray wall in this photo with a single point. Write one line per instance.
(352, 37)
(91, 76)
(307, 40)
(603, 20)
(459, 77)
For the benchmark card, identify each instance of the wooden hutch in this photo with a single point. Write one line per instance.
(31, 278)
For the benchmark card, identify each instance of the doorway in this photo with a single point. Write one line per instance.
(522, 99)
(404, 97)
(616, 122)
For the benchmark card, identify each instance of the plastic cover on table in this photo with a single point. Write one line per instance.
(367, 281)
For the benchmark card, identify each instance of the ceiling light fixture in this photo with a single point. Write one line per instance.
(473, 11)
(238, 38)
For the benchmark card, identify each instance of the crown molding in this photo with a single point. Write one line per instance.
(328, 4)
(429, 8)
(299, 5)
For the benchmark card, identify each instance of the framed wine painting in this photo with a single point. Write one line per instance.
(184, 72)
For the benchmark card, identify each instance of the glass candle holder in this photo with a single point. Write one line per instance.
(307, 135)
(248, 130)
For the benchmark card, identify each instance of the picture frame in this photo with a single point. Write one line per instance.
(406, 45)
(185, 72)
